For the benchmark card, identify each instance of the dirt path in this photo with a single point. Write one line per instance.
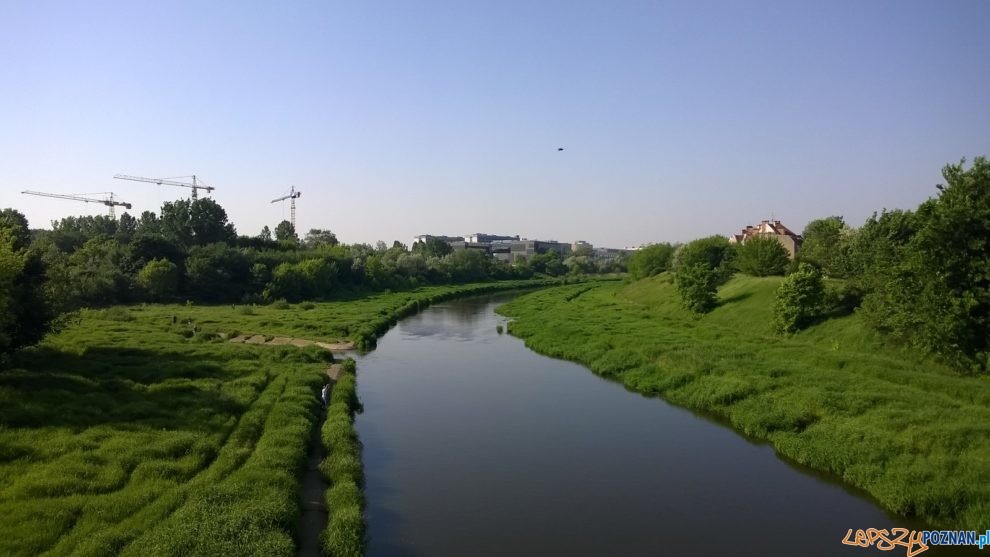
(313, 518)
(341, 346)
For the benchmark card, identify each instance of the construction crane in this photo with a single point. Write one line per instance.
(293, 194)
(170, 182)
(109, 200)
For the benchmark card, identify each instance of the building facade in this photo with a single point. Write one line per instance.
(773, 229)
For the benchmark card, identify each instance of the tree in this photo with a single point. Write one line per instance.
(799, 300)
(927, 276)
(318, 237)
(208, 222)
(11, 266)
(148, 246)
(713, 252)
(266, 234)
(285, 232)
(175, 222)
(217, 272)
(697, 285)
(148, 223)
(822, 244)
(650, 260)
(16, 225)
(96, 272)
(762, 256)
(126, 228)
(307, 280)
(432, 247)
(159, 279)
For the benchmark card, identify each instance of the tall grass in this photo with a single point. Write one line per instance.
(836, 397)
(345, 533)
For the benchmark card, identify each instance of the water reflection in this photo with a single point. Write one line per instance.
(475, 445)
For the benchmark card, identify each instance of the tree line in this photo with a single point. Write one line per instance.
(921, 277)
(190, 251)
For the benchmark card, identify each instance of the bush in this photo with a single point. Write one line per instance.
(698, 286)
(762, 256)
(800, 299)
(651, 260)
(713, 252)
(159, 279)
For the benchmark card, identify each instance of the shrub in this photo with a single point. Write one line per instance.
(159, 279)
(698, 286)
(800, 299)
(650, 260)
(762, 256)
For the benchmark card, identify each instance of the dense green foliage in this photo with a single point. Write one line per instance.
(799, 300)
(698, 286)
(699, 267)
(923, 276)
(823, 244)
(651, 260)
(191, 252)
(713, 252)
(836, 396)
(25, 312)
(344, 536)
(762, 256)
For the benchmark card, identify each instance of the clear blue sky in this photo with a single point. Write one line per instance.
(400, 118)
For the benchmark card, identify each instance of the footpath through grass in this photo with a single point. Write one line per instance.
(134, 433)
(835, 397)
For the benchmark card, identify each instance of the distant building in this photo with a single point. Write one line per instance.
(774, 229)
(579, 245)
(425, 237)
(607, 255)
(479, 238)
(524, 249)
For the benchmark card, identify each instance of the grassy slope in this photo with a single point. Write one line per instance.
(834, 397)
(128, 433)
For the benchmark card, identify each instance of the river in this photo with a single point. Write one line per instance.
(475, 445)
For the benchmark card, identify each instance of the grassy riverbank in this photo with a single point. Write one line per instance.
(835, 397)
(360, 319)
(130, 432)
(344, 535)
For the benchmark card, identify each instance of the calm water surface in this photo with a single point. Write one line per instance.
(474, 445)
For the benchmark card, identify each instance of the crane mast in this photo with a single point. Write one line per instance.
(109, 200)
(195, 186)
(293, 195)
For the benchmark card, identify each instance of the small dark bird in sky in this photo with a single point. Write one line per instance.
(560, 148)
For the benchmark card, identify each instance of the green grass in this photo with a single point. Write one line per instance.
(836, 397)
(361, 320)
(125, 436)
(344, 536)
(140, 431)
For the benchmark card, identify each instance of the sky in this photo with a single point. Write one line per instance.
(396, 118)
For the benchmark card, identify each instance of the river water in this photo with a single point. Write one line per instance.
(475, 445)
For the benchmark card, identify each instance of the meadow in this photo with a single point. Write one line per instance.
(142, 431)
(836, 397)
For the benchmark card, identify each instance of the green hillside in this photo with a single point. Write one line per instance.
(835, 397)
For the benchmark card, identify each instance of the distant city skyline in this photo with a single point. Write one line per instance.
(676, 120)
